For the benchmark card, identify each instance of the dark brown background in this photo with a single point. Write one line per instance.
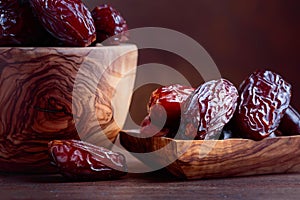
(240, 35)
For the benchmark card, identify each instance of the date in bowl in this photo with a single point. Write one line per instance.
(49, 93)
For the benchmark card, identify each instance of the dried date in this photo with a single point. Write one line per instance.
(109, 22)
(7, 4)
(208, 109)
(19, 26)
(70, 21)
(79, 160)
(264, 98)
(148, 129)
(290, 122)
(10, 27)
(164, 110)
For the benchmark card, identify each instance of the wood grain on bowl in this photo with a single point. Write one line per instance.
(60, 93)
(195, 159)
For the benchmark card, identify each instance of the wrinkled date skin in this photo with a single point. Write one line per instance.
(79, 160)
(108, 23)
(208, 109)
(290, 122)
(19, 26)
(6, 4)
(10, 27)
(69, 21)
(164, 110)
(264, 98)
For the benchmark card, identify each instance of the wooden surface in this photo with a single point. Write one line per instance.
(151, 186)
(51, 93)
(195, 159)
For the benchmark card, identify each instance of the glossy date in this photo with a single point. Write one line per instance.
(290, 122)
(264, 98)
(19, 26)
(109, 22)
(164, 110)
(79, 160)
(70, 21)
(208, 109)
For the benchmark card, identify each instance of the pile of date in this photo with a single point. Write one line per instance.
(215, 110)
(258, 109)
(67, 23)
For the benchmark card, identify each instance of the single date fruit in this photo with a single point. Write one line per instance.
(70, 21)
(109, 23)
(19, 26)
(208, 109)
(290, 122)
(10, 27)
(264, 98)
(79, 160)
(164, 110)
(149, 129)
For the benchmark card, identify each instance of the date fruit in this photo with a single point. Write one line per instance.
(208, 109)
(148, 129)
(164, 110)
(109, 23)
(69, 21)
(6, 4)
(19, 26)
(79, 160)
(290, 122)
(10, 26)
(264, 98)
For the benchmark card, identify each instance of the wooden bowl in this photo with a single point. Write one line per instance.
(196, 159)
(61, 93)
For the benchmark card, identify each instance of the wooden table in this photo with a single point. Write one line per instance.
(154, 185)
